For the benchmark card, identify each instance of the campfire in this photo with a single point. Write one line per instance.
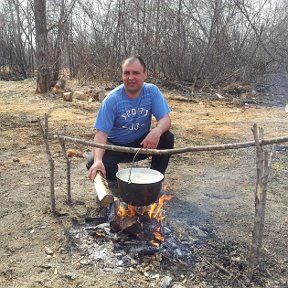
(134, 237)
(144, 222)
(138, 211)
(131, 235)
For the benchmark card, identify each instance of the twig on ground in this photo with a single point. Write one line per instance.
(224, 270)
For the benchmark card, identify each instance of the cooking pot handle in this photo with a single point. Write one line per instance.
(129, 180)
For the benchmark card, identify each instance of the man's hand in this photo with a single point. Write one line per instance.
(97, 166)
(152, 139)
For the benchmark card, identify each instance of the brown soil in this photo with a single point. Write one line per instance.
(214, 197)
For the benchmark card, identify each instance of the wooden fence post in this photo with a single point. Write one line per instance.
(263, 166)
(68, 168)
(44, 133)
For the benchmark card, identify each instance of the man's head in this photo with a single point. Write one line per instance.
(133, 75)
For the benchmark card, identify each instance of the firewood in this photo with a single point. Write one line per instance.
(67, 96)
(103, 193)
(60, 84)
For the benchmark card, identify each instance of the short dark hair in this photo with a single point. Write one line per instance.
(133, 59)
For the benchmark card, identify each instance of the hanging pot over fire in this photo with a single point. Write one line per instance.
(139, 186)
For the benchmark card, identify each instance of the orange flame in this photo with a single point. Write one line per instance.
(158, 235)
(130, 211)
(156, 210)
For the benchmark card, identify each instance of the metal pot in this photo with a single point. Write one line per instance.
(139, 186)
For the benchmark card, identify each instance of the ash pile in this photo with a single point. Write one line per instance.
(134, 239)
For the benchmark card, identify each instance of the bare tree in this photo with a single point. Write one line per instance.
(42, 56)
(58, 28)
(203, 42)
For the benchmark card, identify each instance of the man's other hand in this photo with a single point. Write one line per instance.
(97, 166)
(152, 139)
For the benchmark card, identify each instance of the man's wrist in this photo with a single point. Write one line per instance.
(159, 128)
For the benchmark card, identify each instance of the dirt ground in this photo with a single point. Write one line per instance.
(213, 196)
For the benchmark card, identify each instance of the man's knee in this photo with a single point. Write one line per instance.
(90, 160)
(167, 140)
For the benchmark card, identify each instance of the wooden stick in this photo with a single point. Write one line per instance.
(263, 166)
(224, 270)
(176, 150)
(103, 193)
(50, 161)
(68, 169)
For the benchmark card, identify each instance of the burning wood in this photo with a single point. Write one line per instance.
(142, 222)
(140, 242)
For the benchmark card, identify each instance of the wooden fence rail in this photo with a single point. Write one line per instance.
(175, 150)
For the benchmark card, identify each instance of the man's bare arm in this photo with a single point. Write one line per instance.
(100, 137)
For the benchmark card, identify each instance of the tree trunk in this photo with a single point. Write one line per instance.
(42, 57)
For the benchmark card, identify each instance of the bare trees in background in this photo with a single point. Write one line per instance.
(42, 56)
(16, 56)
(203, 42)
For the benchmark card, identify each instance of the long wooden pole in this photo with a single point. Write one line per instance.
(175, 150)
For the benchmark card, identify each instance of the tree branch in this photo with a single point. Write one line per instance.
(219, 147)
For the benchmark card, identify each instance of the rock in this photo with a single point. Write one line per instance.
(165, 282)
(48, 251)
(155, 276)
(70, 276)
(146, 274)
(177, 285)
(85, 262)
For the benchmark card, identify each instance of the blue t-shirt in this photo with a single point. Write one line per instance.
(126, 119)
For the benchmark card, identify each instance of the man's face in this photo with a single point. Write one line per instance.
(133, 76)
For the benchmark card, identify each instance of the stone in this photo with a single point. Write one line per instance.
(177, 285)
(48, 251)
(165, 282)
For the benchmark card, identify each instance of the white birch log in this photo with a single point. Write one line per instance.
(103, 193)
